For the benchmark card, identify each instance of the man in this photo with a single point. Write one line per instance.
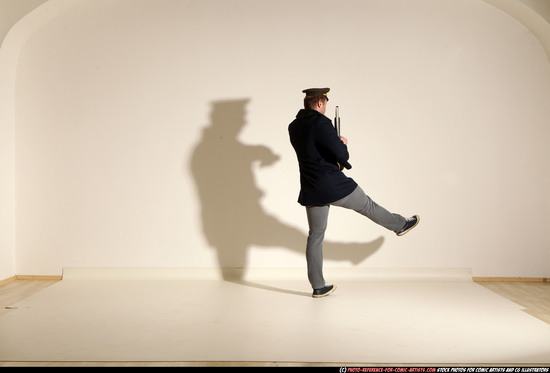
(322, 156)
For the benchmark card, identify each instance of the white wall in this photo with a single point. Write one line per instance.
(141, 127)
(11, 11)
(533, 14)
(542, 7)
(7, 183)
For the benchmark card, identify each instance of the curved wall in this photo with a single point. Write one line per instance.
(153, 133)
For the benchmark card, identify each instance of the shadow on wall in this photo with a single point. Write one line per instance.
(233, 219)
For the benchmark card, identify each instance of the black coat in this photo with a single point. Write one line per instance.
(320, 153)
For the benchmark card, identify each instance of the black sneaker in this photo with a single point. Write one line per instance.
(323, 292)
(411, 223)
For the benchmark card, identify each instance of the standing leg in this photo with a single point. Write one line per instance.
(363, 204)
(317, 217)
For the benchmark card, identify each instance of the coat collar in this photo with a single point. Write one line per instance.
(304, 113)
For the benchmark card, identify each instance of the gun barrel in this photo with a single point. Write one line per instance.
(337, 121)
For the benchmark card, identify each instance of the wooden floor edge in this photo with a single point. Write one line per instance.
(38, 277)
(7, 280)
(30, 277)
(474, 278)
(510, 279)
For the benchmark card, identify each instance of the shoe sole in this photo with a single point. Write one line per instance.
(408, 230)
(327, 293)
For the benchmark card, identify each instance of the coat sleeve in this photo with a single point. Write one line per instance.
(328, 139)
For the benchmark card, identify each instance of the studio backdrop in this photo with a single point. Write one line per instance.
(153, 133)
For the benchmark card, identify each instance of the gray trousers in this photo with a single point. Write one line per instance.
(317, 217)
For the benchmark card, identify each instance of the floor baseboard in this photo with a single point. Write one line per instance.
(510, 279)
(7, 280)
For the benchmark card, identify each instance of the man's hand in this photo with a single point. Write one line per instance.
(345, 141)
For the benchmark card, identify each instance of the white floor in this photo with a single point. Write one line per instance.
(372, 318)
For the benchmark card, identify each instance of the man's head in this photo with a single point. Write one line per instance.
(316, 99)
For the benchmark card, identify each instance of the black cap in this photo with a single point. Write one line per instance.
(316, 92)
